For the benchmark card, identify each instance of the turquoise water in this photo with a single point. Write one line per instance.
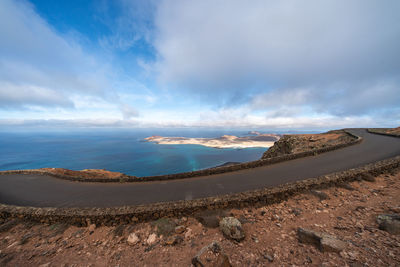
(116, 150)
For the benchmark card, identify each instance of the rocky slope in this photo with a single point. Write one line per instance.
(296, 143)
(338, 226)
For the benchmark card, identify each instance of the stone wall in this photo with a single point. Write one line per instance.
(205, 172)
(381, 132)
(133, 214)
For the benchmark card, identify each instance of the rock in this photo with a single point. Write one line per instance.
(173, 240)
(297, 211)
(119, 230)
(331, 244)
(45, 264)
(283, 146)
(389, 223)
(368, 177)
(151, 239)
(189, 233)
(268, 257)
(210, 218)
(308, 236)
(321, 195)
(25, 238)
(133, 239)
(232, 228)
(346, 186)
(180, 229)
(323, 241)
(91, 228)
(211, 255)
(276, 217)
(165, 226)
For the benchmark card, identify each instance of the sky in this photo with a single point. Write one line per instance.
(258, 64)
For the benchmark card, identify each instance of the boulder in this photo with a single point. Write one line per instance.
(164, 226)
(211, 255)
(331, 244)
(389, 223)
(323, 241)
(307, 236)
(151, 239)
(368, 177)
(232, 228)
(133, 239)
(210, 218)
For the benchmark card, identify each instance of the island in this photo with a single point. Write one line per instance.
(225, 141)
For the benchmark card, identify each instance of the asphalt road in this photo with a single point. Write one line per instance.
(47, 191)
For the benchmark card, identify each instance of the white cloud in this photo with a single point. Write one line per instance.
(263, 63)
(216, 120)
(26, 95)
(129, 112)
(334, 51)
(39, 66)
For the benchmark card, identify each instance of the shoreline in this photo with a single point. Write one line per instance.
(225, 141)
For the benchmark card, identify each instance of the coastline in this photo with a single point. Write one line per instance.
(225, 141)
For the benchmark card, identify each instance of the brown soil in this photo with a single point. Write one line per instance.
(296, 143)
(87, 173)
(349, 213)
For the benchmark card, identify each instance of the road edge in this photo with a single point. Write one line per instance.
(140, 213)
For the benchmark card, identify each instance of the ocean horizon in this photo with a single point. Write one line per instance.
(120, 150)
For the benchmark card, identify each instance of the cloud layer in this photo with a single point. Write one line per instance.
(316, 54)
(171, 63)
(38, 66)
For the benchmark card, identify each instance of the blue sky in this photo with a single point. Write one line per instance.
(174, 63)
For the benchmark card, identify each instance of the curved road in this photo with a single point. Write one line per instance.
(47, 191)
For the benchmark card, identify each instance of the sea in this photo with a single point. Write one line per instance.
(120, 150)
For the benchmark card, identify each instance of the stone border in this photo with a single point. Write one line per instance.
(141, 213)
(206, 172)
(376, 131)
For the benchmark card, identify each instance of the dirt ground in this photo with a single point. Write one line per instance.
(348, 213)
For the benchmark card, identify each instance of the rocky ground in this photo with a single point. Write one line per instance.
(296, 143)
(338, 226)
